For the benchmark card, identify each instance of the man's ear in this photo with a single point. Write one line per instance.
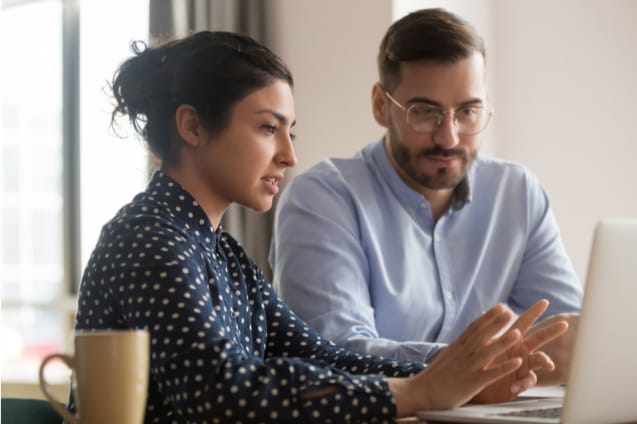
(378, 104)
(188, 125)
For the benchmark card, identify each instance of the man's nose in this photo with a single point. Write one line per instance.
(446, 133)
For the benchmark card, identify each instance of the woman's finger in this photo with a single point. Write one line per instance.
(526, 320)
(484, 319)
(545, 334)
(500, 370)
(497, 348)
(486, 329)
(540, 361)
(528, 381)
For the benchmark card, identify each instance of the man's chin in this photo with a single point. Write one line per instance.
(440, 182)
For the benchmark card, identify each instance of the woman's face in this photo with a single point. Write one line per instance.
(245, 162)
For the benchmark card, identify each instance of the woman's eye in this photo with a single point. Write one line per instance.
(292, 136)
(269, 128)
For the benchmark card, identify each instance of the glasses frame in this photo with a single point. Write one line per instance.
(440, 117)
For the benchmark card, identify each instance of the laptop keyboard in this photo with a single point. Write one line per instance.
(538, 412)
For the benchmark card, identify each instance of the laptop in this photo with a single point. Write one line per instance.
(602, 385)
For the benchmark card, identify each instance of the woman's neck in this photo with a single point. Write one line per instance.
(212, 204)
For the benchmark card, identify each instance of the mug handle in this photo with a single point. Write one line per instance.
(56, 404)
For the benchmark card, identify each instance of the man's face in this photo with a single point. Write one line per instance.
(438, 160)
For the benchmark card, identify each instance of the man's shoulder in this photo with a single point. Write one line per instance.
(334, 180)
(335, 171)
(492, 164)
(334, 166)
(494, 175)
(490, 167)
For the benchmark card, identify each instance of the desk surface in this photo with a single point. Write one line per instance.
(535, 392)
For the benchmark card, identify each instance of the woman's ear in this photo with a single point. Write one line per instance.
(188, 125)
(378, 104)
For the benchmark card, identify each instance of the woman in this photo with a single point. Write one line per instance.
(217, 109)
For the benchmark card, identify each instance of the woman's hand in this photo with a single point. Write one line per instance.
(525, 377)
(462, 369)
(560, 349)
(479, 365)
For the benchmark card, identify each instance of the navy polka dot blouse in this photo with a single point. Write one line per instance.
(224, 347)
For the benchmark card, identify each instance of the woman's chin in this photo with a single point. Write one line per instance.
(259, 206)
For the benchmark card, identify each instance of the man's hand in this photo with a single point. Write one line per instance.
(559, 349)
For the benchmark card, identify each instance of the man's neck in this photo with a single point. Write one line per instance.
(439, 200)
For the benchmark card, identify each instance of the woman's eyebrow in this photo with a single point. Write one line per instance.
(280, 117)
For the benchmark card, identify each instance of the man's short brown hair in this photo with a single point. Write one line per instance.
(427, 34)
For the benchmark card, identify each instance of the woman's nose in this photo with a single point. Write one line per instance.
(286, 155)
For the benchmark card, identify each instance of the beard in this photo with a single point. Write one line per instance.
(443, 177)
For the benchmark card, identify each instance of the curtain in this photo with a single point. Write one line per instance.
(178, 18)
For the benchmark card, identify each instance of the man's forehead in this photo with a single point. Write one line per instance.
(473, 63)
(465, 78)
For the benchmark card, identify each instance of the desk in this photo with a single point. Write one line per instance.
(534, 393)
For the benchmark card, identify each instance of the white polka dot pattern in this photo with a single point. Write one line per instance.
(224, 347)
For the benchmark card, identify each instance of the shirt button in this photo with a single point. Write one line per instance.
(437, 237)
(449, 295)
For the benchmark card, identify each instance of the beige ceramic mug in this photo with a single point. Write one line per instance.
(110, 377)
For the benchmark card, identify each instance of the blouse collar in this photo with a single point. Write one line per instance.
(183, 207)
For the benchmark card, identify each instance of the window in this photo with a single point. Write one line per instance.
(37, 300)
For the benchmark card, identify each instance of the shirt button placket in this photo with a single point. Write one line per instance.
(448, 299)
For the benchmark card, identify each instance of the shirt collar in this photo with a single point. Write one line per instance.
(410, 198)
(184, 209)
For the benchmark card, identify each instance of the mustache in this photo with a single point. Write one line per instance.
(439, 151)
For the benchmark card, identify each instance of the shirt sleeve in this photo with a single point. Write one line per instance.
(291, 336)
(546, 270)
(321, 269)
(198, 362)
(357, 376)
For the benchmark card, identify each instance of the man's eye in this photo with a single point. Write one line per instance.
(425, 112)
(469, 111)
(470, 114)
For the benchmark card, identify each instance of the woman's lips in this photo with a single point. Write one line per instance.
(271, 183)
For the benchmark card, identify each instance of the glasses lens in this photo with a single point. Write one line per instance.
(423, 118)
(468, 120)
(472, 120)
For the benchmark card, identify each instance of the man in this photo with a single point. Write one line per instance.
(395, 251)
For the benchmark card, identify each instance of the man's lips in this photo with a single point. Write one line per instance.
(442, 156)
(443, 160)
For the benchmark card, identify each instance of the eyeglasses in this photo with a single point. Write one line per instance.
(425, 118)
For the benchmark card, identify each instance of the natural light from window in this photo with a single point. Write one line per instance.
(37, 308)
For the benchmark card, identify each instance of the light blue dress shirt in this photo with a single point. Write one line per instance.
(357, 254)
